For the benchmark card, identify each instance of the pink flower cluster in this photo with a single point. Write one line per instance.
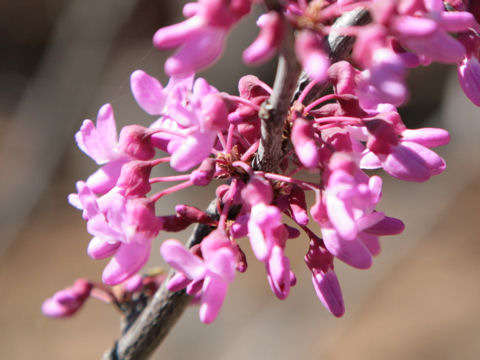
(210, 135)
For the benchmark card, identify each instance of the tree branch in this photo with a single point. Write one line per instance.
(156, 320)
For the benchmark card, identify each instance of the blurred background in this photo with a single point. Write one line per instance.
(62, 59)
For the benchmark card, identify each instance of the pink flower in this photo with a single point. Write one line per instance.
(310, 53)
(405, 156)
(469, 67)
(122, 228)
(101, 144)
(201, 38)
(469, 78)
(303, 139)
(324, 279)
(272, 30)
(191, 115)
(209, 276)
(351, 196)
(68, 301)
(268, 235)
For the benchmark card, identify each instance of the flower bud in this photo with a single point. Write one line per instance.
(134, 178)
(68, 301)
(135, 141)
(192, 214)
(204, 174)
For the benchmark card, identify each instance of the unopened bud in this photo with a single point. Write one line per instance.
(135, 141)
(193, 214)
(204, 174)
(134, 178)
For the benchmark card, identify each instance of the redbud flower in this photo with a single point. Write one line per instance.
(272, 30)
(201, 38)
(68, 301)
(213, 273)
(100, 143)
(310, 53)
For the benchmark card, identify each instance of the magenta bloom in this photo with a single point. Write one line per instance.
(210, 275)
(122, 228)
(265, 46)
(324, 279)
(68, 301)
(101, 144)
(191, 115)
(405, 156)
(201, 38)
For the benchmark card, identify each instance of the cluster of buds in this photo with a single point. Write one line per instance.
(211, 136)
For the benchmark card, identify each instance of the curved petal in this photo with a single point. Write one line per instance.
(128, 259)
(213, 295)
(100, 249)
(328, 290)
(223, 263)
(182, 260)
(197, 52)
(106, 127)
(148, 92)
(352, 252)
(429, 137)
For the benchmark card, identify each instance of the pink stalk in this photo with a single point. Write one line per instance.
(231, 129)
(241, 100)
(171, 190)
(221, 138)
(306, 185)
(305, 91)
(169, 178)
(250, 151)
(319, 101)
(160, 161)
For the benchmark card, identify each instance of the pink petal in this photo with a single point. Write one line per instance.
(434, 162)
(260, 246)
(213, 295)
(52, 308)
(303, 139)
(413, 26)
(328, 291)
(105, 178)
(174, 35)
(439, 46)
(106, 126)
(469, 78)
(371, 242)
(197, 53)
(148, 92)
(178, 282)
(352, 252)
(370, 161)
(90, 142)
(278, 269)
(429, 137)
(101, 249)
(128, 260)
(388, 226)
(182, 260)
(266, 43)
(192, 151)
(405, 164)
(456, 21)
(222, 263)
